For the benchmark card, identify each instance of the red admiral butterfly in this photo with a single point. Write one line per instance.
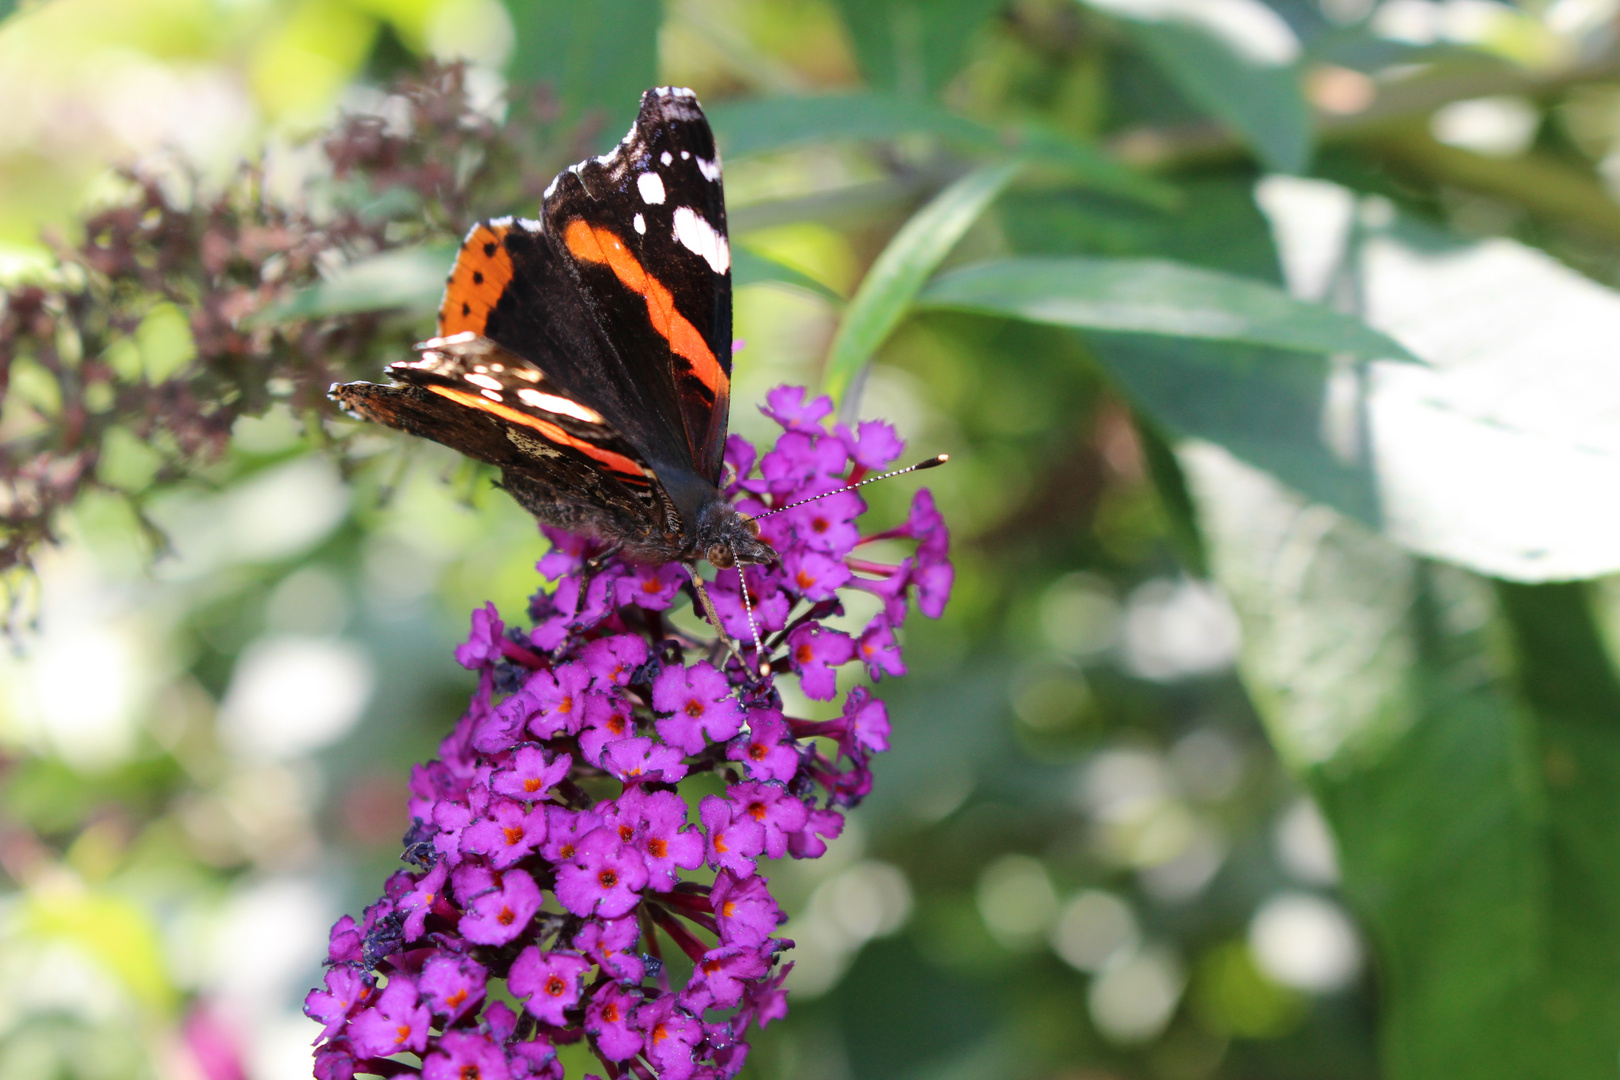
(588, 354)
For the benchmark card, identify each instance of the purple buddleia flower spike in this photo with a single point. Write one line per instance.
(554, 853)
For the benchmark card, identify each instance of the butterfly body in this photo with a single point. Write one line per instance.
(588, 354)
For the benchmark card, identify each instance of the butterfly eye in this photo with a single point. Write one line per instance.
(720, 557)
(752, 526)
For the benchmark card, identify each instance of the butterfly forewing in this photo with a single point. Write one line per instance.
(649, 220)
(588, 354)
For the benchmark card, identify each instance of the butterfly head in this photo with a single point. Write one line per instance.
(728, 537)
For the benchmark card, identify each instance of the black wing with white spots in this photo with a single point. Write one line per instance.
(644, 227)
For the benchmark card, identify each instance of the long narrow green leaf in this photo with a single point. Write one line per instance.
(1154, 296)
(887, 291)
(752, 268)
(782, 123)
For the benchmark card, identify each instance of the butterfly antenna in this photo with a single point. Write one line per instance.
(932, 463)
(762, 664)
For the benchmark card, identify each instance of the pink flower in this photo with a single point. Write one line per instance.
(603, 878)
(549, 983)
(767, 750)
(398, 1022)
(502, 911)
(813, 652)
(700, 707)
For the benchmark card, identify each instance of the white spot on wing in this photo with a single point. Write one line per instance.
(651, 186)
(666, 158)
(530, 225)
(491, 394)
(699, 237)
(552, 187)
(709, 169)
(562, 406)
(685, 154)
(641, 224)
(484, 381)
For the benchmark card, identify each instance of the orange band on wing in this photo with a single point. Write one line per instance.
(481, 273)
(614, 462)
(593, 243)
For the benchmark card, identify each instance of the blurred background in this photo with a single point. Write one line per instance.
(1271, 731)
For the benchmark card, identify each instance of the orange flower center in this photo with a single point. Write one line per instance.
(757, 811)
(555, 986)
(608, 878)
(506, 916)
(757, 751)
(694, 708)
(804, 653)
(512, 835)
(531, 785)
(456, 998)
(656, 848)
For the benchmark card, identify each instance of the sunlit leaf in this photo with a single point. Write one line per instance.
(912, 47)
(1489, 455)
(597, 56)
(781, 123)
(886, 293)
(1153, 296)
(1225, 74)
(1467, 798)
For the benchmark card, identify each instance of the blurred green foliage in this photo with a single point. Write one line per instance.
(1272, 729)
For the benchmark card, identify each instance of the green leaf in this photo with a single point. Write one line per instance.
(1471, 791)
(1489, 454)
(913, 47)
(752, 268)
(1262, 102)
(1153, 296)
(886, 293)
(782, 123)
(598, 56)
(408, 278)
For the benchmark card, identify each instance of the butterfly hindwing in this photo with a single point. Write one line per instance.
(644, 228)
(558, 458)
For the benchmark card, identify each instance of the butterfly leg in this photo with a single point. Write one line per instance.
(711, 613)
(594, 564)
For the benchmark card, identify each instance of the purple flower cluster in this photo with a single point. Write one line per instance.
(554, 845)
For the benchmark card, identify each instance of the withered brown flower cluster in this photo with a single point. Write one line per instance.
(230, 259)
